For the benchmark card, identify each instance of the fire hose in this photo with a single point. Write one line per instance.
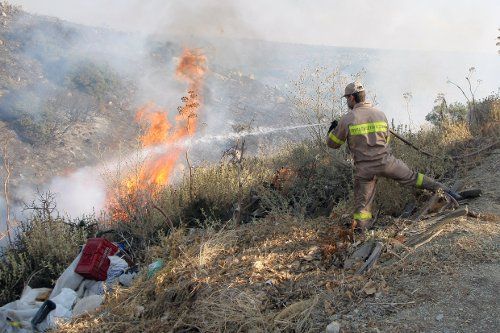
(493, 145)
(411, 144)
(423, 152)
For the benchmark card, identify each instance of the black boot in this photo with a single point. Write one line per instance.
(453, 194)
(433, 185)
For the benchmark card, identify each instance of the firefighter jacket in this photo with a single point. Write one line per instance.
(366, 131)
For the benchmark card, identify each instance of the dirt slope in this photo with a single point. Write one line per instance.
(452, 283)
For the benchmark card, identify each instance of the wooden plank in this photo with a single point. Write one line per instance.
(372, 259)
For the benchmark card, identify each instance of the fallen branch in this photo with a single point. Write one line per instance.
(434, 199)
(428, 206)
(426, 236)
(428, 239)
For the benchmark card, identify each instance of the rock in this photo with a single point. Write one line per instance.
(333, 327)
(439, 317)
(87, 305)
(1, 42)
(370, 288)
(139, 310)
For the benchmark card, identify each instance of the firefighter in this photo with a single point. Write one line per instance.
(366, 131)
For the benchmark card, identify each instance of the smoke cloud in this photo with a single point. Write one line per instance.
(247, 37)
(388, 24)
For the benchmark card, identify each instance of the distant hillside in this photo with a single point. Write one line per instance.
(69, 94)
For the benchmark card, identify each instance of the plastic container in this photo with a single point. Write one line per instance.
(94, 262)
(154, 267)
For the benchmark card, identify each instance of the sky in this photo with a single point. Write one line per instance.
(451, 25)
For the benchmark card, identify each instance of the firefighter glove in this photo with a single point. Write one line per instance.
(333, 125)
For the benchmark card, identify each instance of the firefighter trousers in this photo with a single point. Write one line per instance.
(365, 181)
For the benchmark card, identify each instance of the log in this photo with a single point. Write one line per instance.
(471, 193)
(439, 223)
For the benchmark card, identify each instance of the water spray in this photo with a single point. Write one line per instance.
(257, 132)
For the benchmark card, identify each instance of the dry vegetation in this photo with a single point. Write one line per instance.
(284, 272)
(283, 269)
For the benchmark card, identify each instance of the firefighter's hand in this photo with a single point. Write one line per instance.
(333, 125)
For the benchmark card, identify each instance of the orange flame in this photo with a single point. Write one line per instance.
(158, 130)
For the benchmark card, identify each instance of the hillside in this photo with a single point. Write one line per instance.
(69, 95)
(208, 156)
(284, 273)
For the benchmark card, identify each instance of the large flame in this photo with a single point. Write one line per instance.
(158, 130)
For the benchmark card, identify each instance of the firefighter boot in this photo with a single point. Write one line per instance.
(361, 226)
(433, 185)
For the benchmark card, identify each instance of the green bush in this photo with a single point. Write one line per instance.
(443, 114)
(97, 80)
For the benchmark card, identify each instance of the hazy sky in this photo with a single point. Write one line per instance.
(455, 25)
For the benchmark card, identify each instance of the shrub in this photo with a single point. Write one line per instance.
(45, 122)
(443, 114)
(97, 80)
(484, 118)
(45, 246)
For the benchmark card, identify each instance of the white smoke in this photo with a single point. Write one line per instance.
(232, 28)
(82, 192)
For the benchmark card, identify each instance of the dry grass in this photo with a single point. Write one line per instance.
(226, 281)
(279, 275)
(284, 273)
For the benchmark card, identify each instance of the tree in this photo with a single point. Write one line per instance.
(317, 97)
(470, 95)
